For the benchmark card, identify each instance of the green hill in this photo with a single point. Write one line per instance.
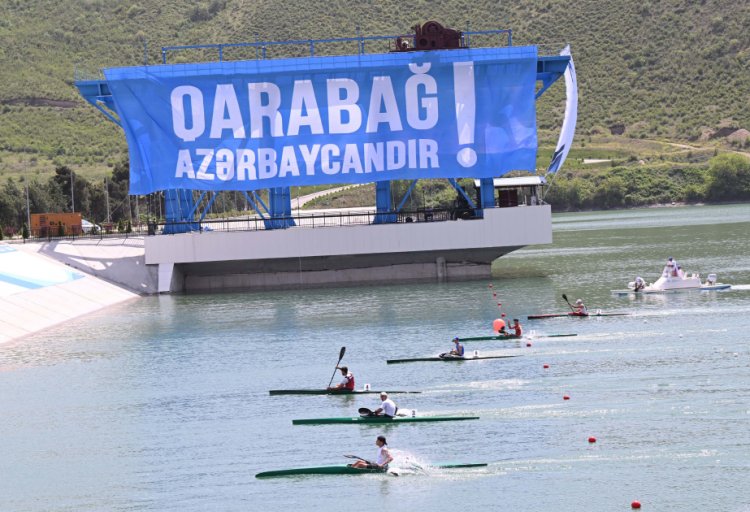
(665, 69)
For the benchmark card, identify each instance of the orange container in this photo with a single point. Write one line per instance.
(48, 224)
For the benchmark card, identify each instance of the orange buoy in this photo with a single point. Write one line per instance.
(498, 324)
(636, 504)
(592, 439)
(566, 397)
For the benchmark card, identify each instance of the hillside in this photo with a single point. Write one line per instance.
(673, 69)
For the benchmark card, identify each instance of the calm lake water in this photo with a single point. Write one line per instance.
(162, 403)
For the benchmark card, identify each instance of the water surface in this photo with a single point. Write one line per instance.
(162, 403)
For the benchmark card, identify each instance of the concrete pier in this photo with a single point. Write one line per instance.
(304, 256)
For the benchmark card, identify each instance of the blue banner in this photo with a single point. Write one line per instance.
(355, 119)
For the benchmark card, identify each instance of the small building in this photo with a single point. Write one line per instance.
(519, 191)
(48, 224)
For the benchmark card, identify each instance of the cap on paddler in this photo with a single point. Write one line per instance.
(383, 393)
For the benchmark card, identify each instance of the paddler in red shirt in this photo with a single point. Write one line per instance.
(517, 328)
(348, 382)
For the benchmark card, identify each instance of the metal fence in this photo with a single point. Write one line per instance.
(314, 220)
(257, 223)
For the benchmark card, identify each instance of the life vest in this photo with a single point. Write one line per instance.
(349, 381)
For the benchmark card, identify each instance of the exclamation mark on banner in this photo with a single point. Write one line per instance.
(463, 86)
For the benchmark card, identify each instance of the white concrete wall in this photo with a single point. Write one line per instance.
(501, 227)
(23, 312)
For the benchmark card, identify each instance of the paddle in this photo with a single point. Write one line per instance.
(569, 304)
(364, 411)
(341, 356)
(390, 471)
(358, 458)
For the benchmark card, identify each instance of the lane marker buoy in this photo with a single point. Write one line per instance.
(636, 504)
(592, 439)
(566, 397)
(546, 366)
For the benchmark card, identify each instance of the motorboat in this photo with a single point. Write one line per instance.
(674, 281)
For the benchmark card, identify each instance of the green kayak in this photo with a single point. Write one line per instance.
(380, 420)
(330, 392)
(446, 359)
(511, 337)
(344, 469)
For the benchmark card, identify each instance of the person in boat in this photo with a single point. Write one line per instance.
(640, 284)
(457, 351)
(387, 406)
(580, 308)
(517, 329)
(670, 270)
(347, 383)
(383, 459)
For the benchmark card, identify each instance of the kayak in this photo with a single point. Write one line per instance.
(331, 392)
(492, 338)
(573, 315)
(703, 288)
(380, 419)
(419, 359)
(345, 469)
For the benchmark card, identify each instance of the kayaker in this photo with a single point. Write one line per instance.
(387, 406)
(580, 308)
(457, 351)
(518, 330)
(348, 381)
(383, 459)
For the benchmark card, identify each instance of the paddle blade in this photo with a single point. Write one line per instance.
(565, 297)
(364, 411)
(341, 353)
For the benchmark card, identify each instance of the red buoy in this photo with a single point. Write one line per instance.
(528, 344)
(635, 504)
(490, 285)
(592, 439)
(546, 366)
(566, 397)
(503, 315)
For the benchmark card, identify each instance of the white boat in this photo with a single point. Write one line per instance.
(670, 282)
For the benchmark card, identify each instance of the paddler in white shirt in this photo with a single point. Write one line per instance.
(381, 462)
(387, 406)
(580, 308)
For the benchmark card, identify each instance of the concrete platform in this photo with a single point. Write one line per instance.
(39, 292)
(304, 256)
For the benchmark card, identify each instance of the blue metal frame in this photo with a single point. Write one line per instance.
(96, 92)
(461, 191)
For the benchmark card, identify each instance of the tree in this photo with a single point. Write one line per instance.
(25, 231)
(729, 178)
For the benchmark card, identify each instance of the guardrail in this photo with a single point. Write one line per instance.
(257, 223)
(313, 220)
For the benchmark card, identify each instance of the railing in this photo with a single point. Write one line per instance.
(257, 223)
(316, 220)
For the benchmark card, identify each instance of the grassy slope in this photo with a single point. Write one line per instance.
(662, 69)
